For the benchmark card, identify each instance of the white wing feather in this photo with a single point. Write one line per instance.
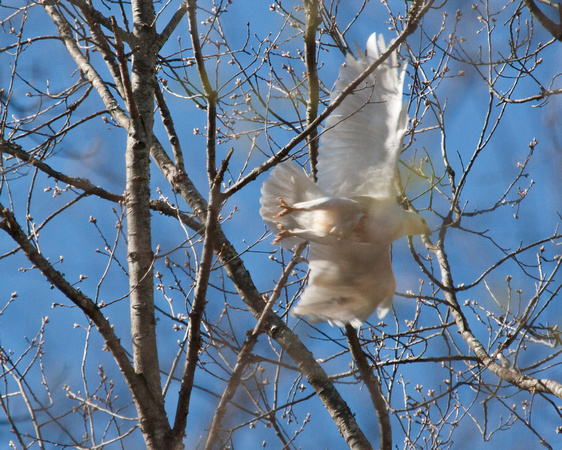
(363, 138)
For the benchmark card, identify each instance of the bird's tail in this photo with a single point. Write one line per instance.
(292, 185)
(347, 282)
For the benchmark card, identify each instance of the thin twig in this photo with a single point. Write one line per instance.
(211, 225)
(417, 11)
(246, 350)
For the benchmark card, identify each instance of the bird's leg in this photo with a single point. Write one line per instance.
(283, 233)
(286, 208)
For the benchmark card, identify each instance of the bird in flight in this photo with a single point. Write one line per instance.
(350, 216)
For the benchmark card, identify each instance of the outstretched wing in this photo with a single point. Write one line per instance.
(361, 145)
(348, 281)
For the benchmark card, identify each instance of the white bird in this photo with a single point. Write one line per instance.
(350, 216)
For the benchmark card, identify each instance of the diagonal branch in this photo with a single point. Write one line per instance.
(65, 32)
(92, 15)
(170, 26)
(509, 374)
(551, 26)
(89, 188)
(245, 353)
(417, 11)
(373, 386)
(137, 384)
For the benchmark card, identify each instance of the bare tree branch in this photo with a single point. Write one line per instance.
(140, 389)
(508, 374)
(245, 352)
(373, 387)
(313, 20)
(417, 11)
(552, 27)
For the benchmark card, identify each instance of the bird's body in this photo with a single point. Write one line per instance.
(350, 216)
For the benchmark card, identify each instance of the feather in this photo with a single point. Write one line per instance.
(348, 281)
(350, 216)
(309, 213)
(363, 138)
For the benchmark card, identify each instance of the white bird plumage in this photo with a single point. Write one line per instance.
(350, 216)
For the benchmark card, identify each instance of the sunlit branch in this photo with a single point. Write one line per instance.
(312, 22)
(246, 350)
(418, 12)
(373, 386)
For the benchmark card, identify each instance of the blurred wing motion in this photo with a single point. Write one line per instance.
(347, 282)
(363, 137)
(350, 216)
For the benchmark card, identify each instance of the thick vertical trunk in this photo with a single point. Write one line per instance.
(140, 102)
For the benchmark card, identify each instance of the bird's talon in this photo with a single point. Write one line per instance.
(286, 208)
(283, 233)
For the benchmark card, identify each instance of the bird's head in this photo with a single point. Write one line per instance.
(416, 224)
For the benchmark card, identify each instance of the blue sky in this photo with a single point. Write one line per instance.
(96, 151)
